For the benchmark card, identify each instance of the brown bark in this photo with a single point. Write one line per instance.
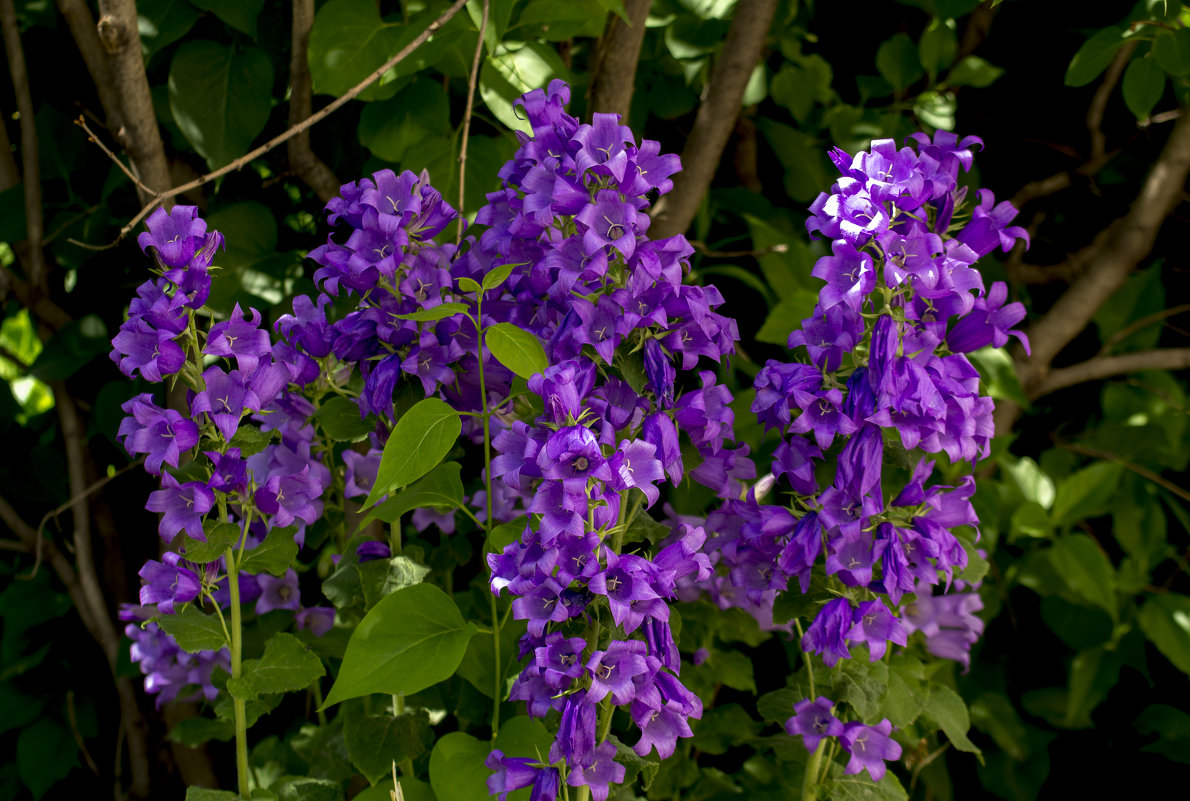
(614, 77)
(716, 118)
(302, 159)
(1104, 266)
(138, 133)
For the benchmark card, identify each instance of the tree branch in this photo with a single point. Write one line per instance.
(1107, 366)
(302, 160)
(293, 131)
(34, 226)
(716, 117)
(614, 77)
(1113, 255)
(1111, 77)
(10, 175)
(86, 37)
(120, 35)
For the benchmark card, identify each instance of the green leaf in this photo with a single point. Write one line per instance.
(70, 348)
(1144, 83)
(777, 706)
(897, 61)
(441, 488)
(787, 317)
(556, 22)
(995, 715)
(204, 794)
(422, 436)
(339, 417)
(220, 97)
(275, 555)
(238, 14)
(457, 772)
(977, 565)
(1172, 726)
(998, 371)
(1087, 571)
(398, 129)
(950, 713)
(1171, 49)
(724, 726)
(469, 284)
(908, 693)
(349, 41)
(45, 754)
(476, 666)
(862, 684)
(512, 70)
(220, 537)
(382, 577)
(861, 788)
(504, 534)
(1085, 494)
(516, 349)
(523, 736)
(1094, 56)
(1092, 674)
(439, 312)
(496, 276)
(287, 665)
(195, 731)
(1165, 620)
(193, 630)
(973, 71)
(163, 22)
(411, 640)
(375, 741)
(938, 46)
(305, 788)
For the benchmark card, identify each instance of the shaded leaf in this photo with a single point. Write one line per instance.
(220, 97)
(1165, 620)
(516, 349)
(422, 436)
(287, 666)
(410, 640)
(193, 630)
(947, 709)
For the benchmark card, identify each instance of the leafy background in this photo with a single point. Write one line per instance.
(1081, 680)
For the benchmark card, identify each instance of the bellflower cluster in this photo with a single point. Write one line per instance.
(601, 295)
(885, 371)
(207, 479)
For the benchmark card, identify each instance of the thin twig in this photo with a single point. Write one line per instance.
(293, 131)
(91, 137)
(34, 225)
(1143, 322)
(1099, 102)
(89, 490)
(72, 716)
(1143, 472)
(69, 221)
(483, 29)
(702, 248)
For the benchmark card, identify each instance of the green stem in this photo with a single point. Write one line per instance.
(497, 678)
(805, 657)
(237, 654)
(316, 689)
(810, 781)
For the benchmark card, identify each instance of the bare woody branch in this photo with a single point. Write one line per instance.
(86, 37)
(716, 117)
(614, 76)
(1112, 256)
(293, 131)
(302, 159)
(34, 226)
(120, 35)
(1107, 366)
